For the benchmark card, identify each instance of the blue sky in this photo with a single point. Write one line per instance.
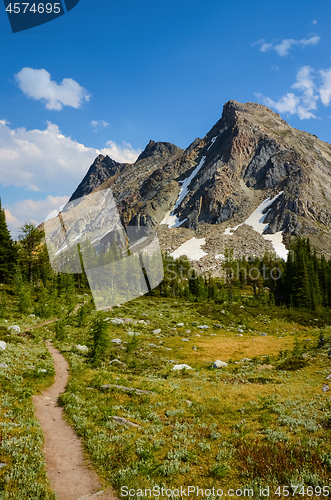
(110, 78)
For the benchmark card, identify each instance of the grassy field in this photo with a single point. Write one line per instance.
(261, 421)
(26, 368)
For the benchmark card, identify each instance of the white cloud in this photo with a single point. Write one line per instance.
(122, 154)
(37, 84)
(31, 211)
(99, 125)
(283, 48)
(46, 160)
(311, 90)
(325, 89)
(314, 22)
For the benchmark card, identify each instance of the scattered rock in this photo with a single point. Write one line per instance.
(239, 335)
(325, 388)
(2, 466)
(3, 365)
(188, 331)
(180, 324)
(328, 377)
(223, 312)
(15, 328)
(42, 370)
(124, 421)
(82, 348)
(218, 326)
(244, 360)
(133, 333)
(194, 348)
(157, 331)
(203, 327)
(219, 364)
(3, 345)
(116, 341)
(185, 340)
(117, 361)
(182, 367)
(188, 402)
(126, 389)
(117, 321)
(32, 315)
(144, 315)
(263, 334)
(241, 307)
(240, 330)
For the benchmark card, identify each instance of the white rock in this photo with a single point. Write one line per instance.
(240, 330)
(32, 315)
(203, 327)
(82, 348)
(182, 367)
(116, 341)
(117, 321)
(218, 364)
(239, 335)
(42, 370)
(157, 331)
(3, 345)
(180, 324)
(133, 333)
(325, 388)
(185, 340)
(15, 328)
(3, 365)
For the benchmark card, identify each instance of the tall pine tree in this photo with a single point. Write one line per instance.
(8, 252)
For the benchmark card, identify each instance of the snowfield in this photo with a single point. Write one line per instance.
(256, 221)
(191, 248)
(171, 219)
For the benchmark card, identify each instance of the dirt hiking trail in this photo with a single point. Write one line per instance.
(67, 471)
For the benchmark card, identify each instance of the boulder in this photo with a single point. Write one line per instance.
(82, 348)
(124, 421)
(117, 321)
(3, 345)
(126, 389)
(240, 330)
(116, 341)
(203, 327)
(325, 388)
(15, 328)
(180, 324)
(219, 364)
(182, 367)
(157, 331)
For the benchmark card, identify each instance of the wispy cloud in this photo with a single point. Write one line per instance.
(312, 87)
(48, 161)
(38, 85)
(283, 48)
(29, 210)
(99, 125)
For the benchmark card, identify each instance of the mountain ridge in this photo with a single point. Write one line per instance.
(249, 155)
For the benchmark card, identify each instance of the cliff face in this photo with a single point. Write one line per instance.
(250, 154)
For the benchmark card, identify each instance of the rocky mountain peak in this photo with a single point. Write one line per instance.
(158, 149)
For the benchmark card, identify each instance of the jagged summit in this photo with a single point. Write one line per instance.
(249, 155)
(162, 149)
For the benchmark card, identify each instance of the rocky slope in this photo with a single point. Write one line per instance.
(250, 154)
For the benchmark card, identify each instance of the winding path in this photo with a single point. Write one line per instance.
(67, 470)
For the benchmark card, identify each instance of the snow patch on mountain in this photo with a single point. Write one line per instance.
(191, 248)
(256, 221)
(170, 218)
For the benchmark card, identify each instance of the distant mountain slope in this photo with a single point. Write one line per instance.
(249, 155)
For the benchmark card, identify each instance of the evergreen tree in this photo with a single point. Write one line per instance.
(8, 253)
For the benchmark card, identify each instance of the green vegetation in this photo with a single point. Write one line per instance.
(262, 420)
